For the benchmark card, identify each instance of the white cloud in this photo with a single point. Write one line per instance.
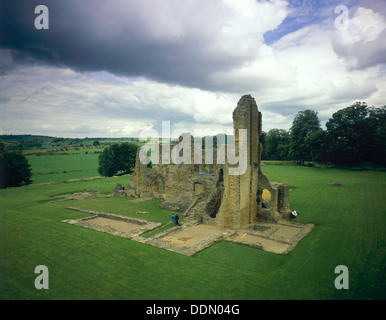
(365, 26)
(363, 43)
(42, 100)
(255, 17)
(302, 70)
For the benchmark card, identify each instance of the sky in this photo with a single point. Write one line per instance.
(115, 68)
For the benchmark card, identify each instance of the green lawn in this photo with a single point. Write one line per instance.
(64, 166)
(350, 225)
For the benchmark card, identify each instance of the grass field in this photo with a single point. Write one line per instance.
(350, 225)
(64, 166)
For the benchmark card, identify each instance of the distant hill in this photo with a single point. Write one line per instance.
(34, 142)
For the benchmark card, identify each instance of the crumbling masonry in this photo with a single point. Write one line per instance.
(208, 193)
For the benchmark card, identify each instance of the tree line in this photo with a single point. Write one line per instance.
(353, 136)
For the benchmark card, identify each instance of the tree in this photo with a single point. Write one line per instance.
(305, 123)
(277, 143)
(377, 121)
(350, 135)
(117, 158)
(318, 143)
(15, 171)
(357, 134)
(95, 143)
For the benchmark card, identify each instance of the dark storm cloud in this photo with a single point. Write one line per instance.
(115, 67)
(130, 38)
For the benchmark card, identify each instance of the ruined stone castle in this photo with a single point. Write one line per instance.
(208, 193)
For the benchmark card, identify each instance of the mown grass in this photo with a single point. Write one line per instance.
(349, 220)
(122, 206)
(63, 166)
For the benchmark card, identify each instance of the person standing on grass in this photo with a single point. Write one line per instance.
(173, 220)
(177, 217)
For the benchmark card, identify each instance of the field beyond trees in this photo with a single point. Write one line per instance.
(347, 208)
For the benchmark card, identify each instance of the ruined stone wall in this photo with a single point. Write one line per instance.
(218, 197)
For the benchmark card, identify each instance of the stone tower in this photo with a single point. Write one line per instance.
(239, 205)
